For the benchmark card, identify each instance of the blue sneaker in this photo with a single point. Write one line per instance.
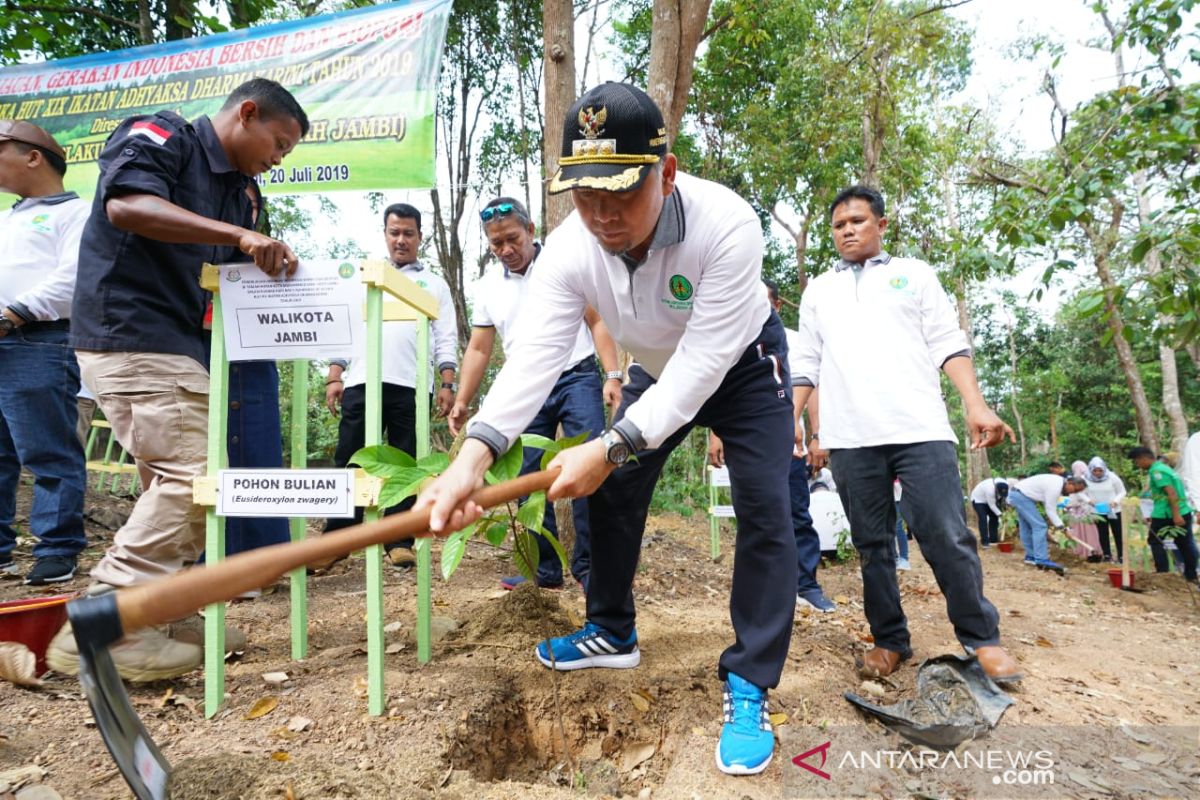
(1030, 561)
(747, 743)
(816, 600)
(591, 647)
(1053, 566)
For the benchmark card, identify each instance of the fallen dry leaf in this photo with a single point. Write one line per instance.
(1042, 641)
(166, 698)
(841, 599)
(393, 648)
(778, 718)
(18, 664)
(639, 702)
(360, 686)
(275, 678)
(298, 724)
(262, 706)
(283, 733)
(281, 755)
(635, 753)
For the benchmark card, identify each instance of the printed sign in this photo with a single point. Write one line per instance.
(285, 493)
(314, 314)
(366, 78)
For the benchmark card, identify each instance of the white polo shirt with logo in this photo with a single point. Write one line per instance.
(686, 313)
(500, 302)
(874, 343)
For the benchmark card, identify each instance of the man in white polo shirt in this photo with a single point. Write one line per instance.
(39, 377)
(575, 400)
(1046, 489)
(672, 263)
(345, 387)
(874, 333)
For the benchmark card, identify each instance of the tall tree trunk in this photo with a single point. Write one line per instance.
(1012, 396)
(1102, 246)
(1193, 351)
(677, 29)
(558, 64)
(145, 23)
(800, 237)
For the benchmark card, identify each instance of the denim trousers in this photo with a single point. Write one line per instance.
(751, 410)
(577, 403)
(808, 542)
(989, 523)
(39, 379)
(1033, 526)
(399, 429)
(932, 504)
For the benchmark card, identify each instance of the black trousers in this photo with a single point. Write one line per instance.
(399, 428)
(932, 504)
(1102, 526)
(752, 413)
(989, 523)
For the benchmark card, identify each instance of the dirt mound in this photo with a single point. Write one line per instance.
(526, 614)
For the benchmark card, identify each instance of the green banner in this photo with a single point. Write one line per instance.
(367, 79)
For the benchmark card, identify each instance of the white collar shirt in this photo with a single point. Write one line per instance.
(686, 313)
(499, 300)
(400, 338)
(39, 255)
(1045, 489)
(874, 340)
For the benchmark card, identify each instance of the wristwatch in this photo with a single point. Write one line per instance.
(616, 449)
(450, 385)
(614, 375)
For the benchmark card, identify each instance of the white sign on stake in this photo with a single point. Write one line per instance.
(314, 314)
(285, 493)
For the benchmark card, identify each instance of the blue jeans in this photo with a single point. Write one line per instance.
(39, 379)
(901, 536)
(577, 402)
(808, 542)
(931, 501)
(1032, 525)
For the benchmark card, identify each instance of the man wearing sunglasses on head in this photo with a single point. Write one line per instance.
(574, 401)
(673, 265)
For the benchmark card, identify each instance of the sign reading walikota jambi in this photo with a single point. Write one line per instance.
(367, 79)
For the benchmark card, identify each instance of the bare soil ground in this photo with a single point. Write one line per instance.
(485, 720)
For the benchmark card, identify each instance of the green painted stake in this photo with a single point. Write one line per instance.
(108, 448)
(297, 525)
(424, 552)
(214, 526)
(713, 522)
(374, 426)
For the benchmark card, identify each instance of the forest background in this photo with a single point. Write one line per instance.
(786, 102)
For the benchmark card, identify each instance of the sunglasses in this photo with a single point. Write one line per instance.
(500, 210)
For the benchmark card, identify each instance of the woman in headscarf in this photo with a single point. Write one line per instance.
(1080, 516)
(1107, 490)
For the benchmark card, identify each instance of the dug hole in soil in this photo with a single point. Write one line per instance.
(484, 720)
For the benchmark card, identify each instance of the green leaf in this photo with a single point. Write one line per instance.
(1140, 249)
(525, 554)
(508, 466)
(536, 441)
(434, 463)
(558, 549)
(496, 534)
(376, 458)
(532, 511)
(453, 549)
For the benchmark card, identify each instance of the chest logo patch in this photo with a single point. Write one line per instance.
(681, 287)
(346, 270)
(40, 223)
(898, 282)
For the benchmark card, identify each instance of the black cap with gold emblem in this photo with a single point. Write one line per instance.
(612, 137)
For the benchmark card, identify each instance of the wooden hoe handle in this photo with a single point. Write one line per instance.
(191, 589)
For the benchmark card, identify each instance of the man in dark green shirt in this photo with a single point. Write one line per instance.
(1171, 517)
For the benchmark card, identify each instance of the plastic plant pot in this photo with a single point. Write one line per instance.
(33, 623)
(1114, 577)
(1004, 547)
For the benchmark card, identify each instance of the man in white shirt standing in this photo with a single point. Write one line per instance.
(1046, 489)
(344, 385)
(873, 324)
(575, 400)
(39, 377)
(672, 263)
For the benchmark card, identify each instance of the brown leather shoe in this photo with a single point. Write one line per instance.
(999, 665)
(879, 663)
